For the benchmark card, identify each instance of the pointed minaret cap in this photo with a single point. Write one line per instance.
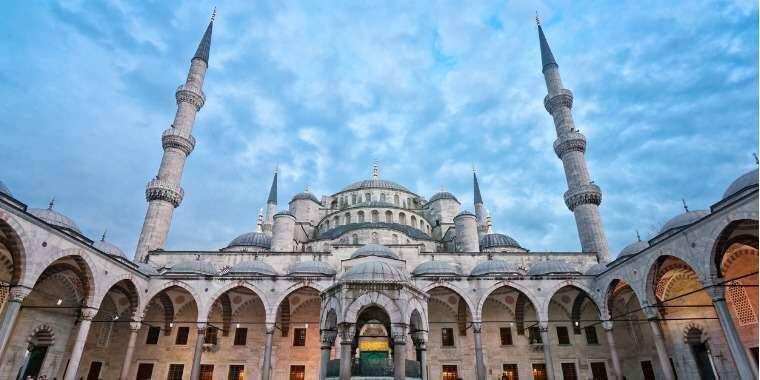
(547, 58)
(476, 188)
(272, 199)
(204, 47)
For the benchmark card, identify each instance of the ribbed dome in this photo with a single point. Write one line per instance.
(498, 240)
(374, 271)
(378, 250)
(311, 268)
(542, 268)
(437, 268)
(494, 268)
(252, 239)
(746, 180)
(200, 267)
(105, 246)
(375, 184)
(306, 195)
(633, 248)
(596, 269)
(55, 218)
(684, 220)
(252, 267)
(443, 195)
(4, 189)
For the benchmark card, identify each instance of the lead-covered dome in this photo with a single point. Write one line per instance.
(435, 268)
(251, 239)
(596, 269)
(375, 183)
(311, 268)
(306, 195)
(550, 267)
(633, 248)
(746, 180)
(443, 195)
(55, 218)
(4, 189)
(109, 248)
(378, 250)
(199, 267)
(251, 268)
(494, 240)
(374, 271)
(494, 268)
(683, 220)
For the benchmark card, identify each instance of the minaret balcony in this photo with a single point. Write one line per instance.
(158, 189)
(585, 194)
(564, 98)
(190, 94)
(173, 138)
(570, 142)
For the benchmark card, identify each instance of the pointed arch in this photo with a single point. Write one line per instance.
(18, 243)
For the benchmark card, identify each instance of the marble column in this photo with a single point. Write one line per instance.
(747, 371)
(420, 342)
(480, 367)
(616, 368)
(548, 363)
(659, 342)
(266, 366)
(195, 371)
(399, 356)
(87, 314)
(134, 328)
(10, 314)
(346, 331)
(327, 338)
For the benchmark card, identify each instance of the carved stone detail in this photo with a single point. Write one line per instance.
(586, 194)
(171, 138)
(563, 99)
(190, 94)
(165, 191)
(18, 293)
(570, 142)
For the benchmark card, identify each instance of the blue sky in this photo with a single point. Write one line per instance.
(665, 92)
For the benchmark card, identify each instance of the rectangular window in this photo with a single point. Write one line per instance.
(299, 337)
(297, 372)
(182, 333)
(539, 371)
(509, 372)
(211, 335)
(562, 335)
(236, 372)
(591, 335)
(153, 333)
(449, 372)
(241, 336)
(755, 354)
(569, 372)
(534, 335)
(505, 333)
(145, 371)
(647, 370)
(447, 337)
(207, 372)
(598, 371)
(175, 371)
(94, 373)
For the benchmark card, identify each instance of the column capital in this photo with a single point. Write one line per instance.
(543, 326)
(135, 326)
(327, 338)
(650, 312)
(607, 325)
(477, 327)
(270, 328)
(201, 326)
(17, 293)
(347, 332)
(87, 313)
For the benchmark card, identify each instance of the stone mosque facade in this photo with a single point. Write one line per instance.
(377, 282)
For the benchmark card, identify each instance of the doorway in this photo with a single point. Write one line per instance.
(34, 363)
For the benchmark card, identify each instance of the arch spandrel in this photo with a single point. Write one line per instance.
(501, 284)
(168, 284)
(205, 308)
(136, 295)
(458, 291)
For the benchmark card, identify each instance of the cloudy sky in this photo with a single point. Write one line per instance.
(666, 93)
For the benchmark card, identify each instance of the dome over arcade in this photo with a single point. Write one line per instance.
(494, 268)
(443, 195)
(374, 271)
(199, 267)
(435, 268)
(251, 239)
(683, 220)
(55, 218)
(252, 268)
(543, 268)
(311, 268)
(4, 189)
(495, 240)
(377, 250)
(746, 180)
(104, 246)
(596, 269)
(633, 248)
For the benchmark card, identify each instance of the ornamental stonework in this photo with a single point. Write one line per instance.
(162, 190)
(585, 194)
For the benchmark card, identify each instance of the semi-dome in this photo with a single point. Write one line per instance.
(633, 248)
(104, 246)
(683, 220)
(443, 195)
(374, 271)
(252, 268)
(494, 240)
(200, 267)
(55, 218)
(252, 239)
(494, 268)
(311, 268)
(375, 183)
(378, 250)
(306, 195)
(4, 189)
(543, 268)
(596, 269)
(746, 180)
(437, 268)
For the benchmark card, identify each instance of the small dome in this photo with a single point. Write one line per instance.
(55, 218)
(306, 195)
(378, 250)
(596, 269)
(4, 189)
(494, 268)
(374, 271)
(465, 212)
(633, 248)
(543, 268)
(437, 268)
(284, 212)
(148, 269)
(683, 220)
(498, 240)
(252, 267)
(311, 268)
(252, 239)
(443, 195)
(200, 267)
(748, 179)
(375, 184)
(106, 247)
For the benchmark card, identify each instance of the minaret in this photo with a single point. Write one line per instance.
(480, 211)
(164, 192)
(271, 206)
(583, 196)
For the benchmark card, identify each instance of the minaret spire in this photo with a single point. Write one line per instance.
(583, 197)
(164, 193)
(480, 211)
(271, 205)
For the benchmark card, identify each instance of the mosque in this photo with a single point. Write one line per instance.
(376, 281)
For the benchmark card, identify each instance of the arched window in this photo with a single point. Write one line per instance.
(336, 221)
(368, 197)
(395, 199)
(347, 218)
(388, 217)
(395, 239)
(353, 198)
(382, 197)
(360, 216)
(354, 239)
(402, 218)
(334, 204)
(375, 216)
(414, 221)
(374, 238)
(327, 224)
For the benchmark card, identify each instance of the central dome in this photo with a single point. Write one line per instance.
(375, 183)
(377, 250)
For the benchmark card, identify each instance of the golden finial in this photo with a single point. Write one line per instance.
(489, 223)
(259, 221)
(213, 15)
(375, 169)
